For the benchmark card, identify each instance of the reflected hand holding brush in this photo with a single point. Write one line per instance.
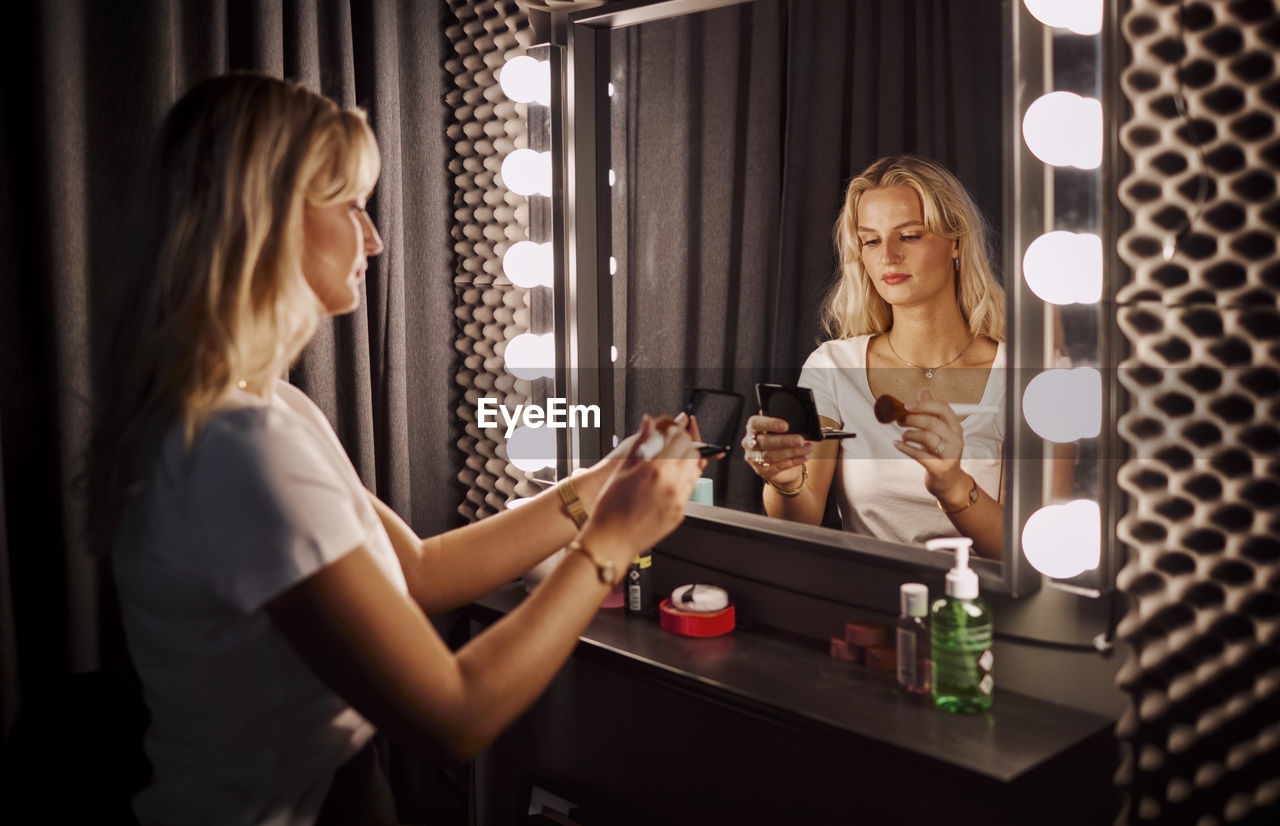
(890, 409)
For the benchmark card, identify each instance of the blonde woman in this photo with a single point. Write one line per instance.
(275, 609)
(915, 313)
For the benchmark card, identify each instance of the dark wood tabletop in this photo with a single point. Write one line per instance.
(793, 681)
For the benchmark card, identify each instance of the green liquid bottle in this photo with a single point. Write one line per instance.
(960, 630)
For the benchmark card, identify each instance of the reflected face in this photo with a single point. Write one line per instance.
(337, 243)
(907, 264)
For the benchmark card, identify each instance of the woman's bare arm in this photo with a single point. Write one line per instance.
(458, 566)
(811, 504)
(376, 648)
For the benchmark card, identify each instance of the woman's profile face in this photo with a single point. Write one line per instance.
(907, 264)
(337, 241)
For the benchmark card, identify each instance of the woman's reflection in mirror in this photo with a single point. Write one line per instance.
(917, 313)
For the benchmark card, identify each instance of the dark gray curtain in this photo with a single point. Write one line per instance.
(734, 133)
(83, 84)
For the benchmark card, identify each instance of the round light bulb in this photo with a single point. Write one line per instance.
(1065, 267)
(1064, 405)
(1064, 129)
(530, 356)
(532, 448)
(1080, 16)
(526, 172)
(526, 80)
(1062, 541)
(528, 264)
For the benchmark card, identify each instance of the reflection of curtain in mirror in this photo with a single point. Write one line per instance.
(734, 133)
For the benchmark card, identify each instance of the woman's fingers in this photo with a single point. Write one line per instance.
(926, 404)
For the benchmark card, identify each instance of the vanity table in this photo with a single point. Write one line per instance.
(762, 726)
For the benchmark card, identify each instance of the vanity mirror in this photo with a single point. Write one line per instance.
(708, 146)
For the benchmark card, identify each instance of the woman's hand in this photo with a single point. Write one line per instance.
(935, 439)
(773, 454)
(643, 500)
(591, 481)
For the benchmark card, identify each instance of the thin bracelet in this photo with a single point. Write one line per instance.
(606, 571)
(572, 504)
(804, 481)
(973, 498)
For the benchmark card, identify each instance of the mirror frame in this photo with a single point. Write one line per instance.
(584, 373)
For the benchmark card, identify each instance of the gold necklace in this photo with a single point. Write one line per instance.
(928, 371)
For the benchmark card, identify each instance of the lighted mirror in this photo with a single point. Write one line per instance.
(709, 146)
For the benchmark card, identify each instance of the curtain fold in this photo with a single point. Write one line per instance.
(735, 132)
(84, 84)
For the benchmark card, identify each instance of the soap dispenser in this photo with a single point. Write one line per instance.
(960, 631)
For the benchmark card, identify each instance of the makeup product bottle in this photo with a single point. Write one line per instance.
(960, 630)
(639, 585)
(913, 638)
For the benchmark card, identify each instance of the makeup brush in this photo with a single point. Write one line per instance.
(889, 409)
(658, 440)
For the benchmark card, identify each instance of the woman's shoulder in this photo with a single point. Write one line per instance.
(248, 427)
(843, 350)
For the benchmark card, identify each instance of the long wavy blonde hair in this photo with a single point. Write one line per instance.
(853, 307)
(217, 294)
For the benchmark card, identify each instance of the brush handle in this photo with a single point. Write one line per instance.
(974, 409)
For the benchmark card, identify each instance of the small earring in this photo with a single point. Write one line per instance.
(955, 263)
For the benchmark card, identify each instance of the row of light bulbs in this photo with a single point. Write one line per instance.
(1063, 406)
(529, 264)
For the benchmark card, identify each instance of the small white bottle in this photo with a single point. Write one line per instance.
(913, 638)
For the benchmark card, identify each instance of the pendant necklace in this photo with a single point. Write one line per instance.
(928, 371)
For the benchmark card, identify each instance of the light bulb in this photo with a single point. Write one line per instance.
(1062, 541)
(526, 172)
(530, 356)
(1064, 405)
(1064, 129)
(613, 265)
(532, 448)
(526, 80)
(1080, 16)
(1065, 267)
(528, 264)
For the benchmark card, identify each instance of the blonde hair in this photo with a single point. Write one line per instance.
(218, 295)
(853, 307)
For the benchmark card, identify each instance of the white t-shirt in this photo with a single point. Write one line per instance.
(881, 490)
(242, 731)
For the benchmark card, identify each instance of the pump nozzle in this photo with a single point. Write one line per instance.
(962, 583)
